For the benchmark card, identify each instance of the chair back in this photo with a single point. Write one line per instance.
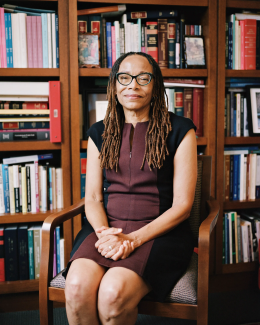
(202, 194)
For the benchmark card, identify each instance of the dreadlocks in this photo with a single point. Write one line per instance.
(159, 121)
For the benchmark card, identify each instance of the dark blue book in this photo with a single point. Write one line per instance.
(230, 45)
(235, 177)
(238, 176)
(231, 177)
(249, 148)
(171, 42)
(242, 80)
(242, 84)
(23, 252)
(235, 118)
(109, 45)
(83, 161)
(11, 254)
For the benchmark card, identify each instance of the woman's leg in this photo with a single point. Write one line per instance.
(119, 293)
(81, 290)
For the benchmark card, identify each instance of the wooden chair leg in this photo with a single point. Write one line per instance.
(46, 313)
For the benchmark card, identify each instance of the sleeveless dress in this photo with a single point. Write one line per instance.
(135, 197)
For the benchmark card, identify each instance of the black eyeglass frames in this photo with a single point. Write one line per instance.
(142, 79)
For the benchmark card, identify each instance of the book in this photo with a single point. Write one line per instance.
(198, 100)
(17, 88)
(54, 272)
(39, 42)
(163, 54)
(178, 101)
(2, 256)
(109, 44)
(2, 202)
(183, 81)
(31, 253)
(23, 260)
(25, 159)
(171, 30)
(11, 253)
(4, 112)
(178, 84)
(49, 40)
(2, 37)
(57, 232)
(83, 165)
(152, 39)
(55, 111)
(24, 135)
(62, 254)
(188, 103)
(29, 42)
(59, 188)
(37, 231)
(5, 173)
(16, 188)
(250, 44)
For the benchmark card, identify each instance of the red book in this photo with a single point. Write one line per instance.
(163, 54)
(192, 29)
(55, 111)
(34, 105)
(2, 260)
(29, 41)
(250, 44)
(184, 81)
(242, 26)
(152, 39)
(188, 103)
(198, 110)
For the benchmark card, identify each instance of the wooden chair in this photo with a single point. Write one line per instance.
(189, 297)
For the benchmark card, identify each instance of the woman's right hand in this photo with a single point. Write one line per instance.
(104, 231)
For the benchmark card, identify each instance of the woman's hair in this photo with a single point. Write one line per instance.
(159, 121)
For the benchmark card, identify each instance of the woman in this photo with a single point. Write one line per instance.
(140, 241)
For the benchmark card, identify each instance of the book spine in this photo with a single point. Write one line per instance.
(28, 188)
(58, 249)
(242, 25)
(227, 177)
(152, 14)
(45, 51)
(2, 256)
(33, 187)
(117, 38)
(53, 40)
(23, 40)
(231, 175)
(198, 110)
(54, 196)
(177, 46)
(31, 254)
(178, 102)
(34, 40)
(188, 103)
(235, 177)
(11, 189)
(163, 54)
(24, 135)
(171, 42)
(59, 188)
(37, 251)
(55, 111)
(23, 253)
(49, 40)
(226, 47)
(15, 41)
(24, 190)
(223, 242)
(152, 39)
(39, 41)
(44, 188)
(11, 254)
(238, 115)
(16, 188)
(10, 40)
(258, 45)
(230, 45)
(250, 44)
(237, 45)
(2, 202)
(62, 253)
(113, 40)
(57, 41)
(37, 186)
(182, 33)
(50, 188)
(257, 183)
(109, 45)
(30, 58)
(104, 42)
(83, 165)
(143, 38)
(6, 188)
(7, 43)
(2, 39)
(54, 254)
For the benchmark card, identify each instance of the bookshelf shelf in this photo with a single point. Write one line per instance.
(202, 3)
(200, 142)
(243, 4)
(30, 72)
(104, 72)
(29, 145)
(243, 73)
(18, 286)
(25, 217)
(242, 140)
(240, 267)
(236, 205)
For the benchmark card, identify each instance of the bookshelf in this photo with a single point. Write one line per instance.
(227, 7)
(207, 16)
(26, 292)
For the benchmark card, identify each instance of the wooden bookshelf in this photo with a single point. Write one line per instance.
(226, 7)
(28, 287)
(208, 18)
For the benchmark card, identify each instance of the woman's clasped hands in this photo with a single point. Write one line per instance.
(113, 244)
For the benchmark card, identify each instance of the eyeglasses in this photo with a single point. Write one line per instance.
(142, 79)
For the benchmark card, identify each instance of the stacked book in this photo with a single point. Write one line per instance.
(28, 185)
(158, 33)
(20, 252)
(243, 41)
(241, 173)
(241, 234)
(30, 111)
(29, 38)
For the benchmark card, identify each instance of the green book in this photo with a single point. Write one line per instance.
(31, 253)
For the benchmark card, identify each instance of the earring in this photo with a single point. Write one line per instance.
(116, 99)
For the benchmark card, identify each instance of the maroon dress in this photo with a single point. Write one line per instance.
(134, 197)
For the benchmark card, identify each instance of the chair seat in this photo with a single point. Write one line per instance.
(184, 292)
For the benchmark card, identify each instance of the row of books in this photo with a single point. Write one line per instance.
(154, 32)
(243, 41)
(30, 111)
(20, 252)
(241, 173)
(29, 38)
(241, 234)
(27, 186)
(185, 98)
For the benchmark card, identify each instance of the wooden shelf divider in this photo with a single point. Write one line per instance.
(18, 286)
(29, 72)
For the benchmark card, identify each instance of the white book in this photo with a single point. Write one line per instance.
(44, 188)
(250, 240)
(23, 39)
(252, 177)
(49, 39)
(238, 115)
(244, 239)
(171, 100)
(62, 254)
(245, 176)
(2, 202)
(177, 53)
(241, 16)
(139, 23)
(173, 85)
(127, 38)
(37, 240)
(136, 37)
(124, 19)
(40, 186)
(17, 88)
(11, 189)
(235, 152)
(117, 36)
(15, 42)
(54, 196)
(16, 186)
(241, 177)
(24, 190)
(236, 44)
(25, 111)
(230, 238)
(19, 160)
(53, 38)
(15, 98)
(59, 188)
(36, 168)
(33, 185)
(167, 99)
(246, 131)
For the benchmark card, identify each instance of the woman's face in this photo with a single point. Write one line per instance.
(134, 97)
